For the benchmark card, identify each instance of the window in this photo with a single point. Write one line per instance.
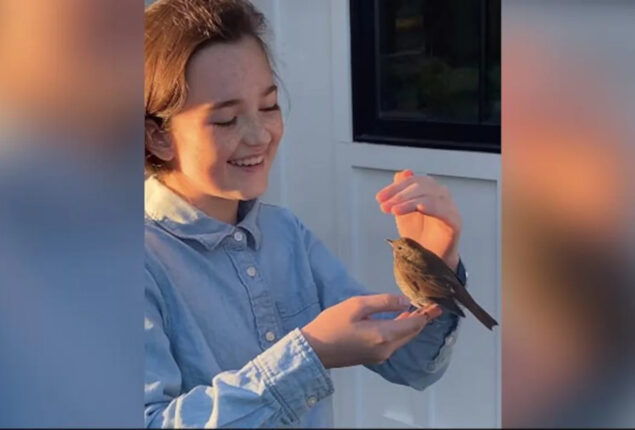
(427, 73)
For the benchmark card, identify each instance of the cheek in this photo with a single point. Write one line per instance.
(221, 144)
(275, 126)
(205, 151)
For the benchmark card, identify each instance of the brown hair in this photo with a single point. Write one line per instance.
(174, 31)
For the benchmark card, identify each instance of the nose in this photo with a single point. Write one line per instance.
(257, 134)
(389, 241)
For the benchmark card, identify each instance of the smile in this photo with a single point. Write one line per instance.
(246, 162)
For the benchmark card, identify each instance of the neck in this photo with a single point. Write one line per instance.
(224, 210)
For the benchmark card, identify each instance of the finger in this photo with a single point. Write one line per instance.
(403, 315)
(396, 330)
(392, 189)
(416, 189)
(432, 311)
(432, 206)
(418, 320)
(426, 204)
(415, 311)
(428, 313)
(404, 340)
(399, 176)
(372, 304)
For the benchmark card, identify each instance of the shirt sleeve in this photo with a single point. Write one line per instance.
(275, 388)
(417, 364)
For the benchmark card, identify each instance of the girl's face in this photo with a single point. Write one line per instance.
(226, 137)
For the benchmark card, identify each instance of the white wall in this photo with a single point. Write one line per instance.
(330, 183)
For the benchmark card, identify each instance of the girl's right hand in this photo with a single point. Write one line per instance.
(344, 335)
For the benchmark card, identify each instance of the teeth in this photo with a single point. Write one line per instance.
(248, 161)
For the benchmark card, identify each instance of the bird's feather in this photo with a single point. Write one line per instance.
(421, 280)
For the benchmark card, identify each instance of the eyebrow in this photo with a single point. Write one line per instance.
(233, 102)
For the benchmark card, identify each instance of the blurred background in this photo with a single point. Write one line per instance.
(568, 136)
(71, 213)
(371, 88)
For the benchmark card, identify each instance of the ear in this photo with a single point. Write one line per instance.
(158, 141)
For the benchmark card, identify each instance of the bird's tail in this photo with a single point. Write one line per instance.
(463, 297)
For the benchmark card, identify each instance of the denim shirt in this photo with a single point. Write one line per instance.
(224, 305)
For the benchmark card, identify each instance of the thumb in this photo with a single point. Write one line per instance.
(372, 304)
(401, 175)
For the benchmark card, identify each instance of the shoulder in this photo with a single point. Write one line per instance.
(269, 211)
(282, 222)
(153, 234)
(274, 219)
(158, 246)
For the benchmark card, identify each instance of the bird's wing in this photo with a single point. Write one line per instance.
(425, 282)
(437, 266)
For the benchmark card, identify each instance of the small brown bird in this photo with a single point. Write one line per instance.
(425, 278)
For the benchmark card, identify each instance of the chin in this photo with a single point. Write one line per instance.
(252, 192)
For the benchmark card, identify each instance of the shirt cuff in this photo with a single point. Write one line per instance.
(294, 374)
(445, 351)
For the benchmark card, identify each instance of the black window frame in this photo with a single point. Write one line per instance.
(371, 126)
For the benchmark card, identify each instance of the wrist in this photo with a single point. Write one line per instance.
(453, 261)
(316, 345)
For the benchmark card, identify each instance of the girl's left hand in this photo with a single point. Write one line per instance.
(424, 211)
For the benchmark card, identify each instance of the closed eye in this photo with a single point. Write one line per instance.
(271, 108)
(226, 123)
(232, 121)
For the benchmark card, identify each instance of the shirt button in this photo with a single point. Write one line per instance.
(251, 271)
(270, 336)
(239, 236)
(311, 401)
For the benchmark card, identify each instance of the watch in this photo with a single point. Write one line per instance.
(461, 273)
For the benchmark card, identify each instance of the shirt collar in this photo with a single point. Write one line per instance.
(183, 220)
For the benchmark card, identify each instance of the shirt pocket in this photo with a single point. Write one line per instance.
(298, 307)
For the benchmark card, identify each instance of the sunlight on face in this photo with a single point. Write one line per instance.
(227, 134)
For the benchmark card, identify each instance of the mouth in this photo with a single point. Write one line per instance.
(249, 163)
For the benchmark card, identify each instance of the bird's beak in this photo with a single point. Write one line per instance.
(389, 242)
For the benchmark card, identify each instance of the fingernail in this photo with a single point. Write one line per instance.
(404, 301)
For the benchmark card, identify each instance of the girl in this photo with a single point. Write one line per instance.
(246, 310)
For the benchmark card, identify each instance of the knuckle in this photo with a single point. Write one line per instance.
(397, 198)
(356, 303)
(379, 338)
(361, 307)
